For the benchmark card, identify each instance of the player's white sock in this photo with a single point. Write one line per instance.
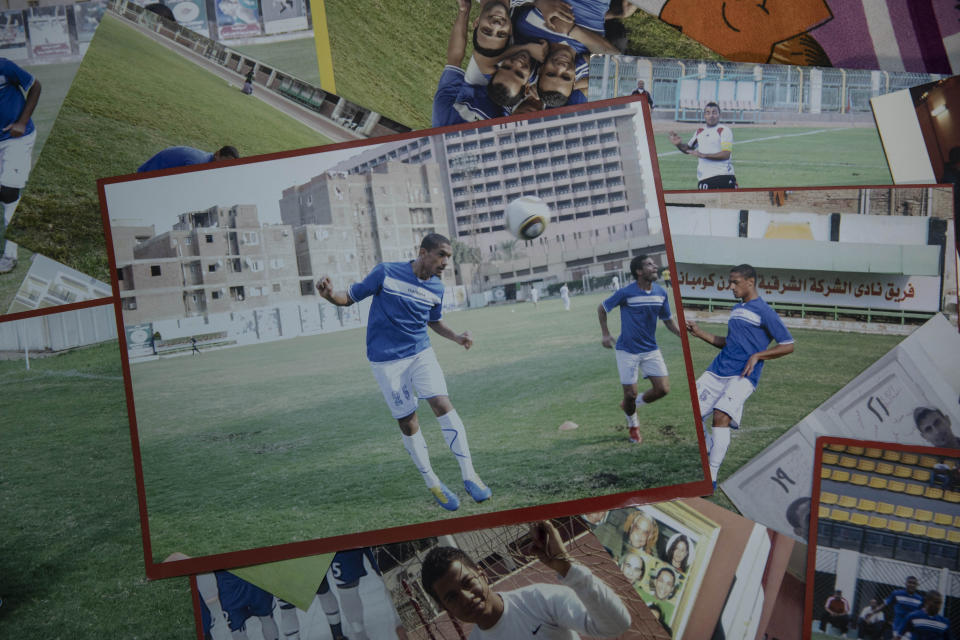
(9, 248)
(353, 612)
(718, 449)
(456, 437)
(416, 446)
(269, 628)
(289, 620)
(633, 421)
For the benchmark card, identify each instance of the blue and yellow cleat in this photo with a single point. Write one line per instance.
(477, 490)
(445, 498)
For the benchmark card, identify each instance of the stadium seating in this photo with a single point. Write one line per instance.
(866, 505)
(848, 462)
(934, 493)
(857, 451)
(896, 485)
(877, 522)
(885, 508)
(859, 479)
(839, 515)
(914, 489)
(923, 515)
(866, 465)
(892, 456)
(830, 458)
(847, 502)
(936, 533)
(943, 518)
(897, 526)
(878, 483)
(956, 522)
(909, 458)
(927, 461)
(885, 468)
(823, 511)
(951, 496)
(953, 536)
(916, 529)
(837, 447)
(825, 472)
(859, 519)
(903, 511)
(921, 475)
(839, 475)
(828, 498)
(872, 452)
(902, 472)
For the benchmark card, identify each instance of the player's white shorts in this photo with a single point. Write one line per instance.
(15, 157)
(404, 382)
(726, 394)
(631, 364)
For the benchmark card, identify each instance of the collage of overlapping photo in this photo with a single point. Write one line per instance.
(496, 319)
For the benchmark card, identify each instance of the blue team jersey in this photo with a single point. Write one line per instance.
(639, 312)
(923, 626)
(402, 306)
(241, 600)
(904, 604)
(529, 25)
(173, 157)
(751, 327)
(14, 81)
(458, 101)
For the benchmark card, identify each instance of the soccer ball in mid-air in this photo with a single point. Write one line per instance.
(527, 217)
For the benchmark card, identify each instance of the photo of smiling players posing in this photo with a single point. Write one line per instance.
(526, 56)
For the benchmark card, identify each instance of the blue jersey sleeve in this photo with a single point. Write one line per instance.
(15, 75)
(368, 286)
(451, 81)
(775, 326)
(436, 312)
(614, 301)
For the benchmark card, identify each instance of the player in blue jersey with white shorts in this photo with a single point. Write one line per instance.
(19, 94)
(925, 623)
(173, 157)
(734, 373)
(904, 601)
(641, 304)
(408, 298)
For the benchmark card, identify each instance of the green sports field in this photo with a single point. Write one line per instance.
(131, 98)
(292, 440)
(785, 157)
(295, 57)
(55, 80)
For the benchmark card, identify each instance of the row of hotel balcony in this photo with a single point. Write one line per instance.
(468, 225)
(574, 164)
(545, 183)
(477, 206)
(588, 142)
(540, 128)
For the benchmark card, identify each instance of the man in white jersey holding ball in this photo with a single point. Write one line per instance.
(713, 145)
(408, 298)
(734, 373)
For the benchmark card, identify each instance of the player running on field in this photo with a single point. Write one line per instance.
(713, 144)
(641, 303)
(734, 373)
(19, 94)
(408, 298)
(925, 623)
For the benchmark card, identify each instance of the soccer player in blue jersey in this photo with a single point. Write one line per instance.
(905, 601)
(19, 95)
(641, 304)
(408, 298)
(173, 157)
(734, 373)
(925, 623)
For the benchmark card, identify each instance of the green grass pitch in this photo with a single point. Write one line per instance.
(131, 98)
(784, 157)
(296, 57)
(292, 440)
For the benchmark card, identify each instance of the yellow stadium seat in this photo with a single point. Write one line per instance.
(824, 511)
(885, 468)
(934, 493)
(914, 489)
(866, 505)
(878, 483)
(921, 475)
(839, 515)
(943, 518)
(860, 479)
(923, 515)
(847, 502)
(896, 485)
(824, 472)
(956, 522)
(892, 456)
(885, 508)
(903, 511)
(915, 529)
(927, 461)
(936, 533)
(953, 536)
(830, 458)
(848, 462)
(859, 519)
(951, 496)
(837, 447)
(897, 526)
(909, 458)
(857, 451)
(828, 498)
(872, 452)
(866, 465)
(877, 522)
(840, 475)
(902, 472)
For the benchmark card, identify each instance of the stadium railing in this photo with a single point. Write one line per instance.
(835, 312)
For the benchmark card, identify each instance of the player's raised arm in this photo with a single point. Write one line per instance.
(326, 291)
(676, 141)
(464, 339)
(606, 340)
(457, 45)
(709, 338)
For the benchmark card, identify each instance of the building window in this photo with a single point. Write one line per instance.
(120, 275)
(155, 270)
(188, 240)
(276, 288)
(215, 295)
(209, 238)
(211, 268)
(130, 304)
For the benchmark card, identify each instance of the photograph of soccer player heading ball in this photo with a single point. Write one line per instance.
(884, 554)
(531, 247)
(845, 280)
